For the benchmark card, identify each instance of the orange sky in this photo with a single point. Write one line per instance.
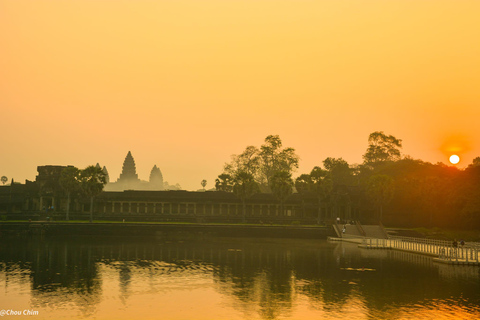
(185, 84)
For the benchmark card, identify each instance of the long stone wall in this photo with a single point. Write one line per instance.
(208, 211)
(181, 206)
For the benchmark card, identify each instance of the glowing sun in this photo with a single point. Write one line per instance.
(454, 159)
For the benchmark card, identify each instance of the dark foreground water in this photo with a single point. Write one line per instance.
(224, 278)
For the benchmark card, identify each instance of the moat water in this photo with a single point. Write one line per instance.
(227, 278)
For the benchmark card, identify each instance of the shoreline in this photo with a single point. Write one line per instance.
(155, 229)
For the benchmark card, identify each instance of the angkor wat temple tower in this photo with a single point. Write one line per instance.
(129, 180)
(129, 172)
(156, 178)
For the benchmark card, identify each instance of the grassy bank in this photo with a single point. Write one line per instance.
(160, 229)
(167, 223)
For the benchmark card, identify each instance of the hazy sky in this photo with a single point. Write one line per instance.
(185, 84)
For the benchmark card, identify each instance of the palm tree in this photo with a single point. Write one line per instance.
(204, 184)
(4, 179)
(92, 180)
(70, 182)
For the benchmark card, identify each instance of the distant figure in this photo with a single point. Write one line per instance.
(455, 243)
(344, 228)
(462, 242)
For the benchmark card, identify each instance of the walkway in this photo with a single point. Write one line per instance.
(357, 230)
(375, 237)
(442, 251)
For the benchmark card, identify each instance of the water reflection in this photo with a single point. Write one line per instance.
(220, 278)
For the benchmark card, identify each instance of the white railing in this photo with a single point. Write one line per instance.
(470, 252)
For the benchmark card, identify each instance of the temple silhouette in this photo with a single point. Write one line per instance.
(134, 199)
(45, 197)
(129, 180)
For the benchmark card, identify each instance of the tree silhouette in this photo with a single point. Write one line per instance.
(262, 163)
(303, 183)
(224, 182)
(4, 179)
(70, 182)
(274, 159)
(282, 187)
(382, 148)
(244, 187)
(380, 189)
(339, 171)
(204, 183)
(248, 161)
(92, 181)
(322, 187)
(475, 163)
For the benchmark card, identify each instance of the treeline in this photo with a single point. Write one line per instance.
(84, 183)
(388, 187)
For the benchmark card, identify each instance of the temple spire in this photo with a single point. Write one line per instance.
(156, 178)
(129, 172)
(107, 177)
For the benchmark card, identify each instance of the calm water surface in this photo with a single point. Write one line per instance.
(227, 278)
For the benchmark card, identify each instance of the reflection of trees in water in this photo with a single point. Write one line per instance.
(125, 275)
(333, 277)
(271, 276)
(254, 283)
(285, 272)
(56, 267)
(265, 277)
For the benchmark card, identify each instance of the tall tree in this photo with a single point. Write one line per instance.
(262, 163)
(70, 183)
(203, 183)
(382, 148)
(246, 162)
(380, 189)
(475, 163)
(303, 183)
(224, 182)
(322, 187)
(92, 181)
(339, 171)
(274, 159)
(282, 186)
(244, 187)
